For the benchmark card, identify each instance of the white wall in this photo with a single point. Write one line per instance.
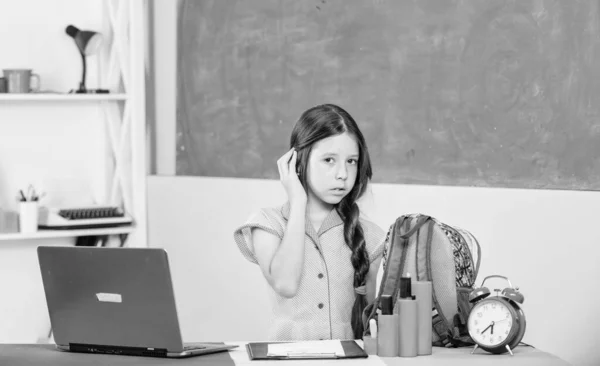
(164, 61)
(545, 242)
(59, 147)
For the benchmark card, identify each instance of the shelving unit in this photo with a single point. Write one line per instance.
(47, 234)
(55, 97)
(121, 65)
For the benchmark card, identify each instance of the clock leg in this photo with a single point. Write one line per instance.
(474, 348)
(509, 351)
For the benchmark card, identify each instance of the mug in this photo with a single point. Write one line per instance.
(21, 80)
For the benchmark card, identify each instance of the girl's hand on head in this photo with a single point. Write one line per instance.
(289, 178)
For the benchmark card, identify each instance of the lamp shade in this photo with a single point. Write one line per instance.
(87, 42)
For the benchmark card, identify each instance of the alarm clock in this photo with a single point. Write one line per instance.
(496, 323)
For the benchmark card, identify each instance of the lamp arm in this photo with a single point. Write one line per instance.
(82, 88)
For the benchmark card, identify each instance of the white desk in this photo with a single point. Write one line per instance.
(45, 354)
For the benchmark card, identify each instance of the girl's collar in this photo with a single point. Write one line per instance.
(332, 220)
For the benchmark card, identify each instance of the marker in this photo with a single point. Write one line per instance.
(405, 286)
(386, 305)
(373, 327)
(387, 331)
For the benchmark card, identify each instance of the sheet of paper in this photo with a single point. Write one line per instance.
(307, 348)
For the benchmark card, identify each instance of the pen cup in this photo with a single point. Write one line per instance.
(423, 292)
(370, 345)
(407, 327)
(387, 336)
(28, 216)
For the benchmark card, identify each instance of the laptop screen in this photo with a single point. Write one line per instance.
(110, 296)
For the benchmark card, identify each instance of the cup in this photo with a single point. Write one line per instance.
(28, 216)
(370, 345)
(9, 221)
(21, 80)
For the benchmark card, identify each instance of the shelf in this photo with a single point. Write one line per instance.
(56, 97)
(44, 234)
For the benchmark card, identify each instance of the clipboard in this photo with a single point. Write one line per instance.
(258, 351)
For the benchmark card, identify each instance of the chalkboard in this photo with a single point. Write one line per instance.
(471, 93)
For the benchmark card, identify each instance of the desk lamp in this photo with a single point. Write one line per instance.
(88, 43)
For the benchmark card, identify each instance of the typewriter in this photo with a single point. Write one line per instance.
(82, 217)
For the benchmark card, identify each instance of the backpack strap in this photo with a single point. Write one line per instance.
(421, 220)
(442, 325)
(389, 271)
(425, 260)
(400, 243)
(440, 330)
(398, 237)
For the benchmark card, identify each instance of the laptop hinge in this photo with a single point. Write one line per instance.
(118, 350)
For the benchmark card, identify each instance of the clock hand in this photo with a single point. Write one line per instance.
(488, 327)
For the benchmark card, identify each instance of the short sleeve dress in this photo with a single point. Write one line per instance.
(322, 307)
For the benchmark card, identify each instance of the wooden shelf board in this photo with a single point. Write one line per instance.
(43, 233)
(55, 97)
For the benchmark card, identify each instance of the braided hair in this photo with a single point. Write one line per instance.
(315, 124)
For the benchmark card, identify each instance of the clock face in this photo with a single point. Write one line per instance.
(491, 322)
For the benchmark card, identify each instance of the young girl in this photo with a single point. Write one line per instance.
(318, 255)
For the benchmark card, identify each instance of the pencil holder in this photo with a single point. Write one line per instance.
(387, 336)
(407, 327)
(370, 345)
(28, 216)
(423, 291)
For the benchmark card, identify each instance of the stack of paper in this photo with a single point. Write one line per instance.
(327, 348)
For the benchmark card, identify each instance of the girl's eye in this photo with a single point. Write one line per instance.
(352, 161)
(329, 160)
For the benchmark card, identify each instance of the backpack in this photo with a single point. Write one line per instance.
(447, 256)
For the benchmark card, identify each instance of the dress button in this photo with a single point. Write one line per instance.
(321, 306)
(320, 275)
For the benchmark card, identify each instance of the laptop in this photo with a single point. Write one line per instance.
(114, 301)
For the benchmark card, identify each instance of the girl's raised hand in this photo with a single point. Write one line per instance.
(289, 178)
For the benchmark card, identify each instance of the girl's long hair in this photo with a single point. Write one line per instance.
(315, 124)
